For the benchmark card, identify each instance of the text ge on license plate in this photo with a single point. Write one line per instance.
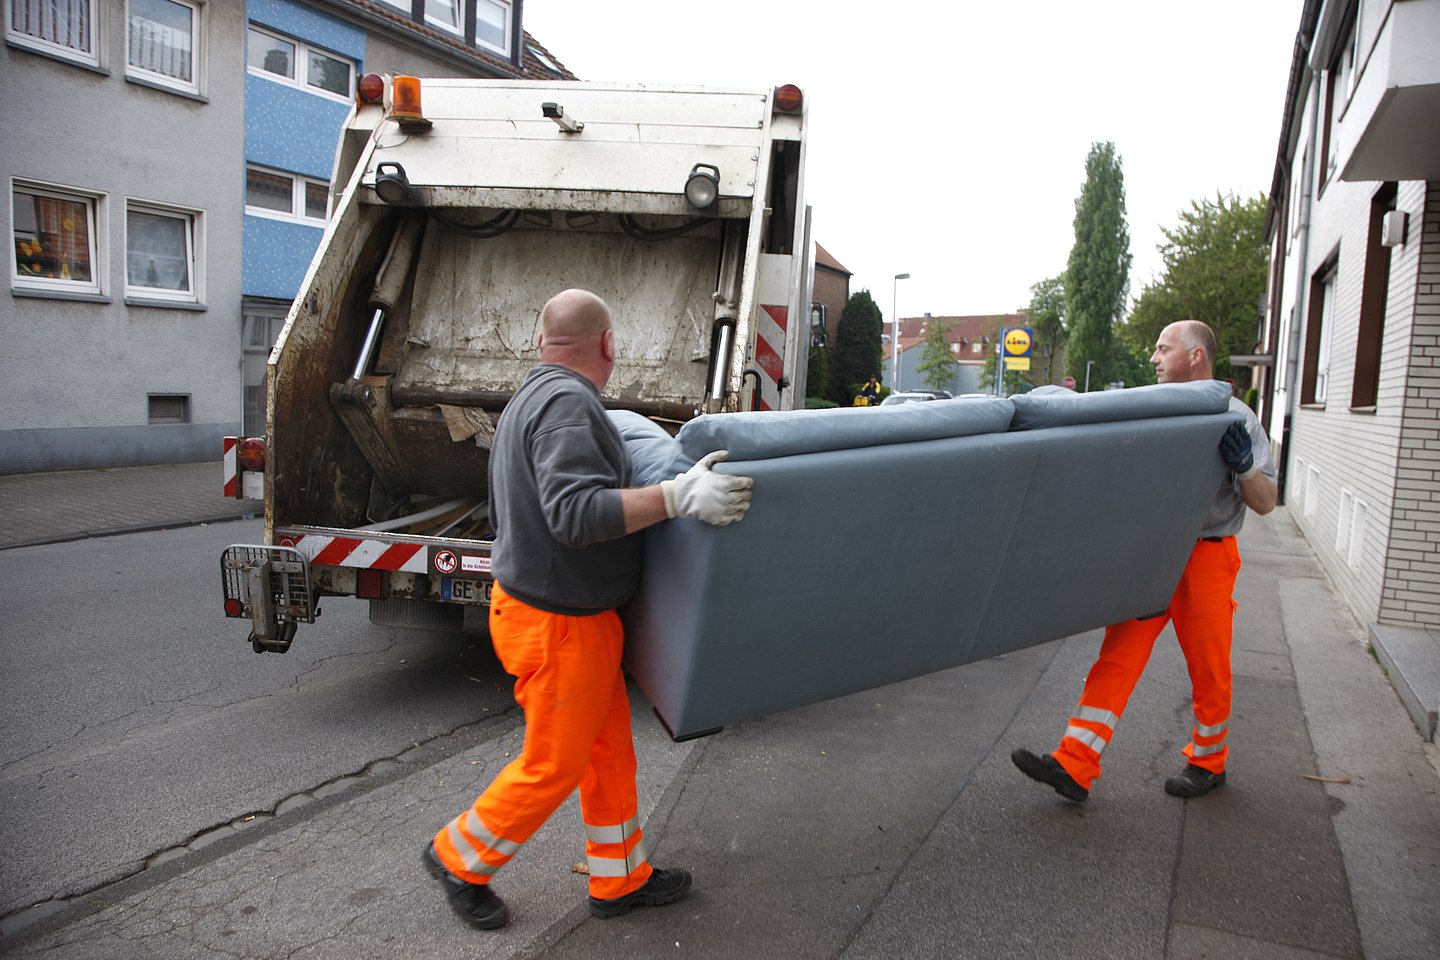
(465, 591)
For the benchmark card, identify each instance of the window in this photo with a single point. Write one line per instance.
(1374, 292)
(64, 28)
(492, 25)
(1312, 490)
(289, 61)
(1314, 384)
(169, 407)
(444, 14)
(160, 253)
(285, 196)
(55, 236)
(163, 43)
(1339, 84)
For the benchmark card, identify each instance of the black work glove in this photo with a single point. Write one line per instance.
(1235, 448)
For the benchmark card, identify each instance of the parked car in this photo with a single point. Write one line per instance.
(907, 397)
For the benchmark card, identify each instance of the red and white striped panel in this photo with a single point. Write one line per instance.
(770, 353)
(232, 468)
(360, 552)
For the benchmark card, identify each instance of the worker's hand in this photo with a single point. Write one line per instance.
(1235, 448)
(716, 498)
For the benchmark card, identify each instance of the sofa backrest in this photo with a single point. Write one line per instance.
(764, 435)
(1052, 406)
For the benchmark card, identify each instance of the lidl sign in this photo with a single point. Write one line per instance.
(1018, 342)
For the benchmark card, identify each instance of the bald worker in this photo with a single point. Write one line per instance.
(1202, 608)
(566, 555)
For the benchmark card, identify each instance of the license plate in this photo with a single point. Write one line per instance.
(466, 591)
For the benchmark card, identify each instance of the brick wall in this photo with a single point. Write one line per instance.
(1347, 464)
(1412, 567)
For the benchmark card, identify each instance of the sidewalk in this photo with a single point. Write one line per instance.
(75, 504)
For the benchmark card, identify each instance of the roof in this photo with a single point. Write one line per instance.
(1298, 84)
(535, 61)
(823, 258)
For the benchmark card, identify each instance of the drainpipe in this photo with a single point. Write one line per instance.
(1302, 285)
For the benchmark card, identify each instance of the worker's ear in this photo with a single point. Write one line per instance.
(607, 344)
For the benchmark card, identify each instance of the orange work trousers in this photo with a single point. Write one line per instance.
(1203, 609)
(577, 733)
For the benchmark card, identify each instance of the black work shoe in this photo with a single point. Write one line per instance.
(476, 903)
(664, 886)
(1193, 781)
(1047, 770)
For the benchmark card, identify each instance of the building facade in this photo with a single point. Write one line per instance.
(1350, 366)
(124, 207)
(163, 224)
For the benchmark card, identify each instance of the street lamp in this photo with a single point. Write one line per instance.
(1088, 365)
(895, 332)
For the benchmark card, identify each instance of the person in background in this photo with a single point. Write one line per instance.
(566, 555)
(1202, 608)
(870, 393)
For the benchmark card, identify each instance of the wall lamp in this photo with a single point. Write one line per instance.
(702, 187)
(394, 188)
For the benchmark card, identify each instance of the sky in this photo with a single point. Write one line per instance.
(947, 140)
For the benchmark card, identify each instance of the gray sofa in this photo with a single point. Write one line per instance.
(886, 543)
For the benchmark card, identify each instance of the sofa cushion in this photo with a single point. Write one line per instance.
(763, 435)
(1052, 406)
(654, 454)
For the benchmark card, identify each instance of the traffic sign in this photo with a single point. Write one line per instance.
(1069, 383)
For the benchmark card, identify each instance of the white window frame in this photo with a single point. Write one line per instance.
(194, 252)
(297, 197)
(97, 228)
(302, 64)
(197, 52)
(458, 27)
(59, 50)
(508, 9)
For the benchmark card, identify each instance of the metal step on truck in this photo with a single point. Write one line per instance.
(457, 208)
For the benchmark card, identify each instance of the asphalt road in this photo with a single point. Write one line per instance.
(135, 718)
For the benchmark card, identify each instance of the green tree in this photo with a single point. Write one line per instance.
(1046, 316)
(817, 373)
(1215, 269)
(857, 347)
(937, 358)
(1097, 275)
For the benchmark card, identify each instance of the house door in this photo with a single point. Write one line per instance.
(262, 325)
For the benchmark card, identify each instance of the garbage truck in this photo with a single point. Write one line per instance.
(457, 208)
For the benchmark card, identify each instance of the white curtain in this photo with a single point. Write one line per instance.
(65, 22)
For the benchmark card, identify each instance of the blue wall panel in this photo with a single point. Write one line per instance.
(308, 24)
(277, 254)
(290, 129)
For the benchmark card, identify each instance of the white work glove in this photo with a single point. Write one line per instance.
(716, 498)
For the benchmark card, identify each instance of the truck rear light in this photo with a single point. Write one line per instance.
(367, 584)
(371, 88)
(405, 104)
(251, 453)
(788, 98)
(234, 608)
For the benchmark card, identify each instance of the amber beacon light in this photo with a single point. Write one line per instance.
(405, 105)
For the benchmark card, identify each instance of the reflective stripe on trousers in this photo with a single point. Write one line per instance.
(1203, 610)
(577, 733)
